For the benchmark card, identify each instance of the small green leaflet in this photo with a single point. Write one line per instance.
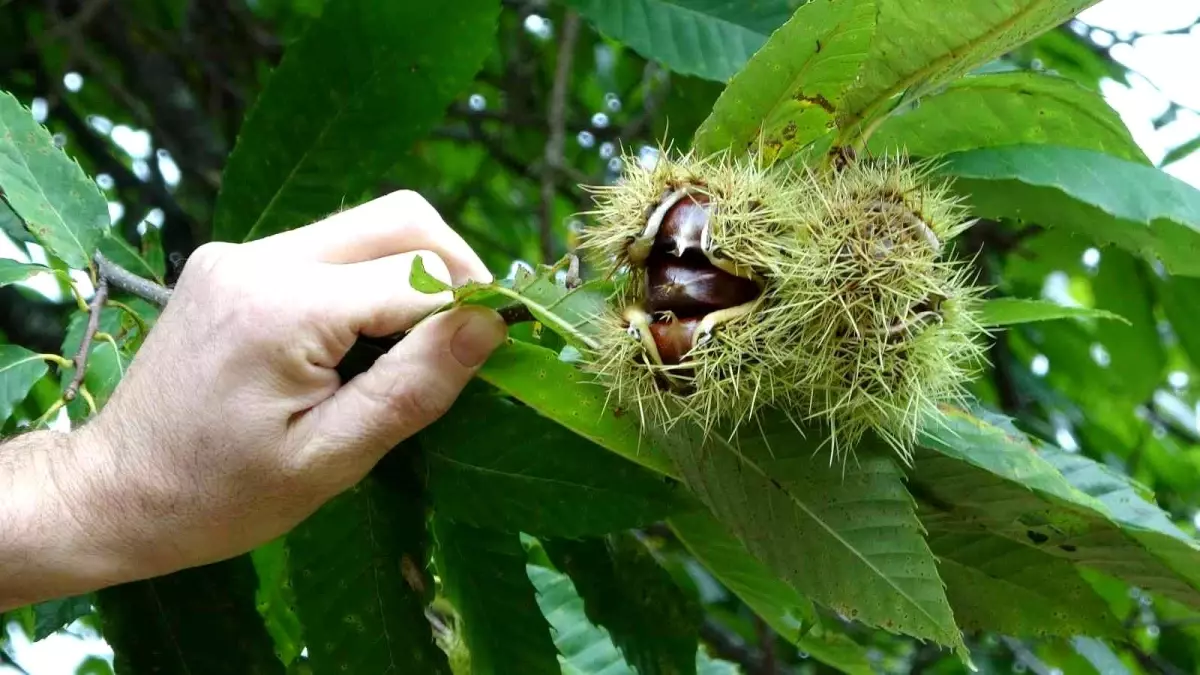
(61, 207)
(709, 39)
(1181, 151)
(790, 91)
(1010, 311)
(1138, 208)
(421, 280)
(20, 369)
(1007, 109)
(12, 272)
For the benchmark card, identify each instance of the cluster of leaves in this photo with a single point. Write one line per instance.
(536, 528)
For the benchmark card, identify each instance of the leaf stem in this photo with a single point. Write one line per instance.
(132, 314)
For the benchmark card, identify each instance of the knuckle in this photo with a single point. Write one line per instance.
(415, 208)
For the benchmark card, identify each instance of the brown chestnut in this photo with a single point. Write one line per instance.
(683, 225)
(691, 285)
(673, 338)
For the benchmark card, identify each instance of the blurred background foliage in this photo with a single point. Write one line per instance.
(148, 96)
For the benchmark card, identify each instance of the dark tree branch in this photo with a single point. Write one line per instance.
(95, 307)
(123, 279)
(556, 123)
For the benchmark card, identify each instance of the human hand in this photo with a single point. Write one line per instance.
(232, 425)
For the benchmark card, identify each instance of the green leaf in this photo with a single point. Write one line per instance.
(584, 648)
(54, 615)
(1136, 361)
(20, 369)
(976, 475)
(276, 600)
(198, 620)
(12, 271)
(996, 584)
(1010, 311)
(712, 39)
(788, 613)
(534, 476)
(421, 280)
(847, 537)
(116, 249)
(1007, 109)
(791, 89)
(651, 620)
(1181, 151)
(923, 43)
(347, 562)
(561, 392)
(569, 312)
(371, 78)
(483, 575)
(94, 665)
(61, 207)
(1138, 208)
(1180, 297)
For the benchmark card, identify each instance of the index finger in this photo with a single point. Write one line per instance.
(399, 222)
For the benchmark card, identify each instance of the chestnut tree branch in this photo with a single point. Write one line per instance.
(85, 344)
(556, 121)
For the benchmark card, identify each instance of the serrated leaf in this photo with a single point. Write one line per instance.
(976, 475)
(709, 38)
(584, 648)
(923, 43)
(847, 537)
(347, 563)
(483, 575)
(20, 369)
(650, 619)
(60, 206)
(371, 78)
(998, 585)
(561, 392)
(790, 91)
(1007, 109)
(1010, 311)
(12, 271)
(536, 477)
(788, 613)
(198, 620)
(1138, 208)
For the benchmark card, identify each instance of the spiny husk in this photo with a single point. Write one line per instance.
(862, 324)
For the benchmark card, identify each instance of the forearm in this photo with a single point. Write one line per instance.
(54, 541)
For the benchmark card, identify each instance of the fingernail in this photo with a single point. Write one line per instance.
(478, 337)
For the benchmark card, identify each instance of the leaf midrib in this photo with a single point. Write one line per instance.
(835, 534)
(948, 57)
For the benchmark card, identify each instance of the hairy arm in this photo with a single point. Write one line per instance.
(53, 539)
(232, 424)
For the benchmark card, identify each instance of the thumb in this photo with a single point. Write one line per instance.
(404, 391)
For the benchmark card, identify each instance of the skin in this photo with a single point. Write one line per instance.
(231, 425)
